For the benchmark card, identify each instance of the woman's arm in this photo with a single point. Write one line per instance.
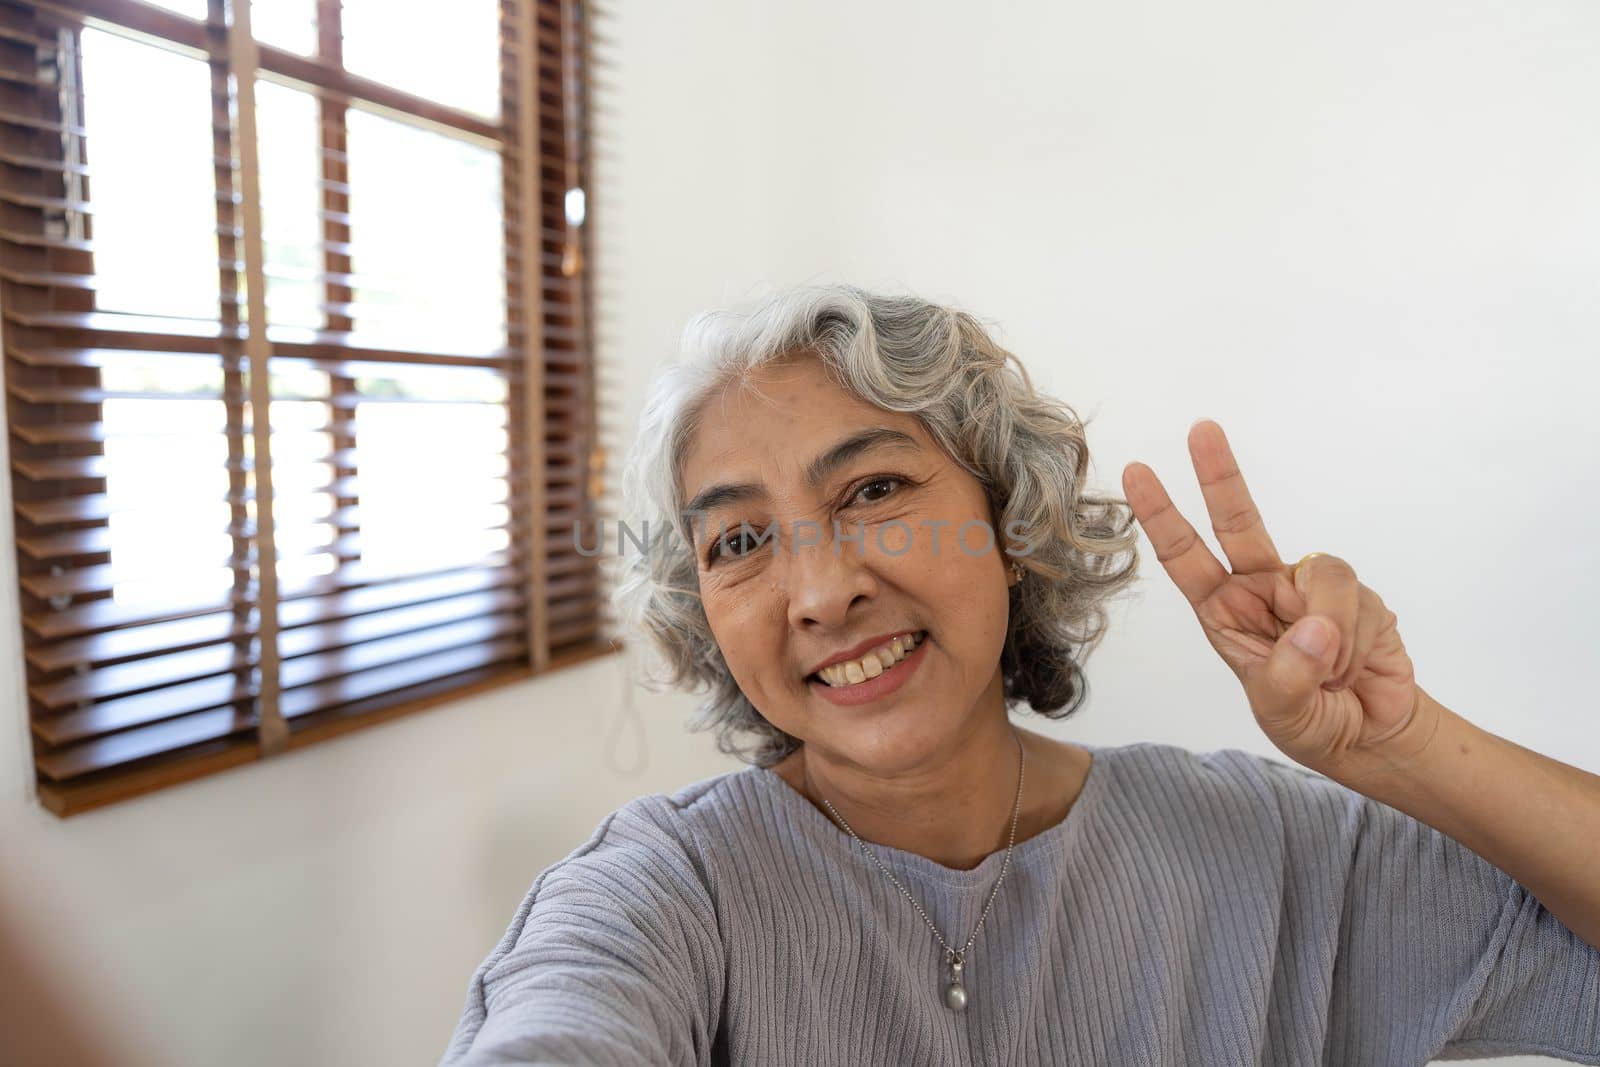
(1533, 817)
(614, 957)
(1332, 686)
(1432, 952)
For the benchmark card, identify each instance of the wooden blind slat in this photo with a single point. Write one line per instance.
(128, 712)
(396, 678)
(140, 674)
(42, 279)
(29, 122)
(581, 631)
(46, 240)
(48, 511)
(304, 611)
(82, 581)
(372, 626)
(106, 614)
(122, 748)
(148, 329)
(11, 159)
(24, 198)
(26, 79)
(99, 357)
(59, 433)
(331, 351)
(77, 467)
(575, 608)
(141, 640)
(71, 543)
(320, 667)
(77, 394)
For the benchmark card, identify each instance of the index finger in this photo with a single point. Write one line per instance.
(1187, 559)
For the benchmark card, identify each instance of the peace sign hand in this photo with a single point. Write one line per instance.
(1356, 697)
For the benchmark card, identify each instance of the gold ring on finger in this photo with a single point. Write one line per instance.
(1296, 568)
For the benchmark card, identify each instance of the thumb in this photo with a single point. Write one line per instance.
(1296, 668)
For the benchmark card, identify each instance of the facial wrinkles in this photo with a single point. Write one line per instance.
(744, 612)
(750, 598)
(789, 517)
(744, 615)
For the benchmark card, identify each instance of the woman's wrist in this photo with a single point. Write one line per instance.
(1533, 817)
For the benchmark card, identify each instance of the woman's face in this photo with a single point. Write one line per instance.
(780, 607)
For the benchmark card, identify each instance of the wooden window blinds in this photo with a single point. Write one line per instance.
(310, 291)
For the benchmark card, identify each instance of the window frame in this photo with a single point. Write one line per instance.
(555, 423)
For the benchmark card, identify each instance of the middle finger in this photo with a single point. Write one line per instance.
(1235, 519)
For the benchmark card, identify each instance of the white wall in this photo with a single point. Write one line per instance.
(1362, 237)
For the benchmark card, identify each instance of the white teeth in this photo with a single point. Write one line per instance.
(872, 664)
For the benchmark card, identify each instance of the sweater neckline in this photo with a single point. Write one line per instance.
(1043, 845)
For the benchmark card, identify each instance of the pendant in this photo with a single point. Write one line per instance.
(955, 993)
(955, 996)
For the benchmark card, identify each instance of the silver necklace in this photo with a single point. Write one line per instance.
(955, 991)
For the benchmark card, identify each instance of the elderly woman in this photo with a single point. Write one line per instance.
(879, 544)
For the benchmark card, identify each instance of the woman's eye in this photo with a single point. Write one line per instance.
(723, 545)
(870, 492)
(884, 480)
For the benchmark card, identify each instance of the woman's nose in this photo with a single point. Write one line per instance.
(825, 578)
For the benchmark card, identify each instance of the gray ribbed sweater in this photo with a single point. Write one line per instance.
(1192, 908)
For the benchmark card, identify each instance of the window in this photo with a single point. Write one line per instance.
(298, 369)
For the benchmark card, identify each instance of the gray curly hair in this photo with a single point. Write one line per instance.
(901, 354)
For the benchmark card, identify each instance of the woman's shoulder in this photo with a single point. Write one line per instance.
(658, 837)
(1224, 785)
(690, 809)
(1226, 817)
(1219, 767)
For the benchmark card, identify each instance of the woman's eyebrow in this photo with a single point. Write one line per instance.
(872, 439)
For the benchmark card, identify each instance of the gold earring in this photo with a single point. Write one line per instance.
(1016, 570)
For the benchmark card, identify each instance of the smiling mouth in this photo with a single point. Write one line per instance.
(869, 665)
